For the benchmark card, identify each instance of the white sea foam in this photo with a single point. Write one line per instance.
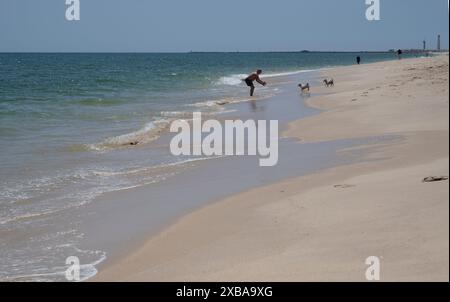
(58, 273)
(283, 74)
(175, 114)
(211, 103)
(218, 105)
(237, 79)
(232, 80)
(109, 180)
(183, 162)
(149, 132)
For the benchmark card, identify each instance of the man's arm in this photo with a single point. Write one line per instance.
(260, 82)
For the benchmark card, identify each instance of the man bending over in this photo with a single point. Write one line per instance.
(254, 77)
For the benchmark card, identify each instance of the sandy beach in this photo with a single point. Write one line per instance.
(175, 141)
(323, 226)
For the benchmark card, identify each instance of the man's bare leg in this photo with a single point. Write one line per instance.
(252, 89)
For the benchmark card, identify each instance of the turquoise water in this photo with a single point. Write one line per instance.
(67, 121)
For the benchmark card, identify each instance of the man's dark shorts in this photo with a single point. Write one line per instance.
(249, 83)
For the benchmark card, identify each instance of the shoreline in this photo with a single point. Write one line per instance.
(146, 209)
(201, 170)
(261, 234)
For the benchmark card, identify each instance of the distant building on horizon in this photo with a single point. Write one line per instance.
(439, 43)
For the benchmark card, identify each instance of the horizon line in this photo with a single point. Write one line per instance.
(197, 52)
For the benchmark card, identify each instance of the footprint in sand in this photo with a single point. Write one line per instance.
(353, 100)
(434, 178)
(344, 186)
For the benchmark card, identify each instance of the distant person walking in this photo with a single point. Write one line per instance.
(399, 54)
(358, 60)
(254, 77)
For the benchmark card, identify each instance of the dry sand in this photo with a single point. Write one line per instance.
(322, 227)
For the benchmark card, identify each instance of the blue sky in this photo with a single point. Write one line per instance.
(211, 25)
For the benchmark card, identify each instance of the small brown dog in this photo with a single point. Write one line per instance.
(329, 83)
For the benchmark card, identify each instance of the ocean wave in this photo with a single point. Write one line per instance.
(26, 216)
(36, 199)
(232, 80)
(149, 168)
(150, 132)
(210, 103)
(218, 104)
(237, 79)
(58, 273)
(17, 192)
(288, 73)
(191, 160)
(175, 114)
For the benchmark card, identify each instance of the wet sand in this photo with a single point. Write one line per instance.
(322, 225)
